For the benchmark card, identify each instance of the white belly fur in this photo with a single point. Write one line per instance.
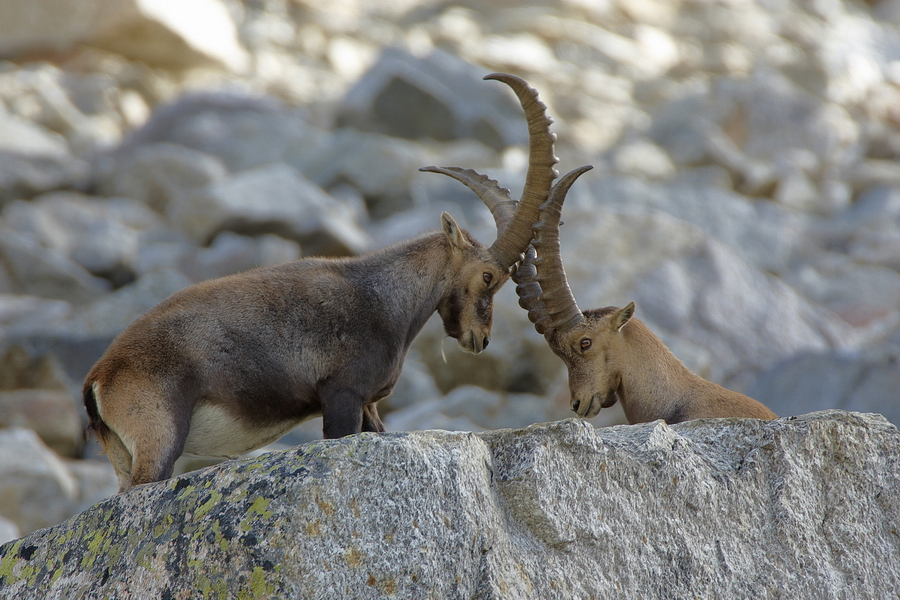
(216, 433)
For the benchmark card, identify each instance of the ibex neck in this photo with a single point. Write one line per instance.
(408, 280)
(654, 381)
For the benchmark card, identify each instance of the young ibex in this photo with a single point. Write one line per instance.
(231, 364)
(609, 354)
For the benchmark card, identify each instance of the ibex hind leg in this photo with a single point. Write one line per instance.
(371, 421)
(156, 449)
(120, 458)
(148, 436)
(153, 460)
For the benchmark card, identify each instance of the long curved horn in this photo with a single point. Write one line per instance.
(529, 291)
(514, 219)
(555, 308)
(510, 245)
(494, 197)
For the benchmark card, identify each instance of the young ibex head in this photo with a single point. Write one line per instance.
(610, 355)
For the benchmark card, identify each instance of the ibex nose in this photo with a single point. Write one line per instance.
(575, 405)
(486, 342)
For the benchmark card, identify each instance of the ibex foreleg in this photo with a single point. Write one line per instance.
(342, 412)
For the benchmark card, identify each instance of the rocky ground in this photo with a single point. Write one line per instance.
(802, 507)
(746, 190)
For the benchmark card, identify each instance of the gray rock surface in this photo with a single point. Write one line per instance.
(79, 338)
(101, 235)
(39, 489)
(862, 381)
(242, 130)
(802, 507)
(158, 174)
(8, 530)
(472, 408)
(271, 199)
(19, 370)
(22, 175)
(28, 268)
(437, 96)
(745, 190)
(55, 415)
(232, 253)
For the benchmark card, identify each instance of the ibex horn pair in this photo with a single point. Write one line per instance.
(514, 219)
(228, 365)
(611, 356)
(547, 297)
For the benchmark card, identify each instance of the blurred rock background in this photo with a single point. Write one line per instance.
(746, 192)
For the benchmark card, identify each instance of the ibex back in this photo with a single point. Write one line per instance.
(228, 365)
(610, 355)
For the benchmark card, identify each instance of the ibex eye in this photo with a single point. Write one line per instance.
(585, 344)
(488, 277)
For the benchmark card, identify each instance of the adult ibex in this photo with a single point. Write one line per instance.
(609, 354)
(231, 364)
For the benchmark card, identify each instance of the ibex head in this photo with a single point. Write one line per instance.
(481, 271)
(466, 309)
(585, 341)
(610, 355)
(593, 350)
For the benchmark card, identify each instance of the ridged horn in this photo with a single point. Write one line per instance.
(494, 197)
(559, 311)
(529, 291)
(514, 219)
(509, 246)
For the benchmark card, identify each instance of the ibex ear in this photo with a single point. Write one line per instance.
(454, 234)
(622, 316)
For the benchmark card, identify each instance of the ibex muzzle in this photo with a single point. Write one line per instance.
(611, 356)
(228, 365)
